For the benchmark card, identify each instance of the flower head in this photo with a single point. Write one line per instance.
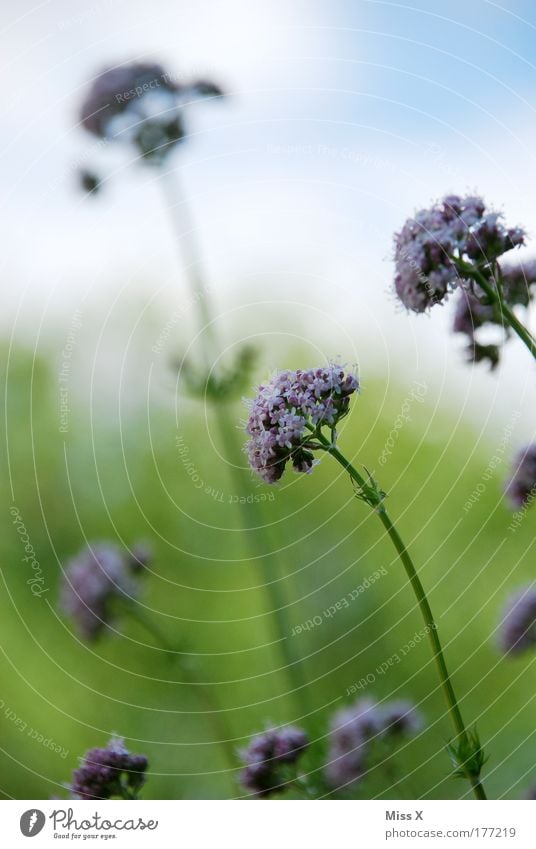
(96, 576)
(521, 488)
(285, 411)
(518, 628)
(355, 729)
(429, 244)
(109, 772)
(142, 104)
(266, 757)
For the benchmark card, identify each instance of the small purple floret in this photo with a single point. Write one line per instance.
(265, 757)
(111, 772)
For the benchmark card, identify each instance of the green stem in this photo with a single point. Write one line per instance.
(495, 296)
(424, 606)
(183, 222)
(221, 729)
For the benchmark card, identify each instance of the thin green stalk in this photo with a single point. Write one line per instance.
(462, 735)
(185, 230)
(495, 296)
(182, 219)
(221, 729)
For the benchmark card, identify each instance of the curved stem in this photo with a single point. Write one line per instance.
(223, 733)
(424, 606)
(495, 296)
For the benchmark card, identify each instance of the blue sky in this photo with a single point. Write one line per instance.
(343, 117)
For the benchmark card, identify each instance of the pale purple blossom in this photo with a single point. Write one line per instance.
(284, 410)
(429, 243)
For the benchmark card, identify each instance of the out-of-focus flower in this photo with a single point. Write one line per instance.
(474, 311)
(521, 488)
(93, 579)
(266, 757)
(142, 104)
(355, 729)
(284, 410)
(429, 243)
(111, 772)
(518, 628)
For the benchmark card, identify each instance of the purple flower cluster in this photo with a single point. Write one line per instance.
(518, 628)
(284, 409)
(354, 730)
(428, 244)
(521, 488)
(141, 103)
(267, 756)
(92, 580)
(518, 282)
(109, 772)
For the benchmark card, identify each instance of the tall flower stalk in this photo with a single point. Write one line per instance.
(295, 415)
(143, 106)
(216, 392)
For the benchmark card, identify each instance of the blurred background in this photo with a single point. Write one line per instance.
(340, 120)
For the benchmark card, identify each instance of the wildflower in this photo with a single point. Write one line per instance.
(141, 104)
(287, 410)
(356, 728)
(267, 756)
(518, 627)
(93, 579)
(521, 488)
(427, 247)
(109, 772)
